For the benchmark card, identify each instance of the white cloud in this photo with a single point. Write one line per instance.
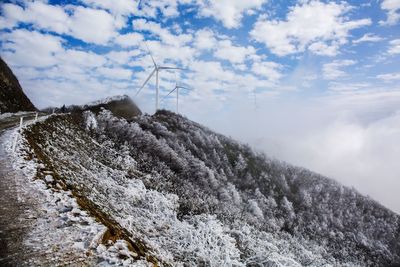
(168, 8)
(348, 87)
(41, 15)
(349, 138)
(365, 154)
(394, 48)
(66, 91)
(115, 73)
(311, 24)
(148, 9)
(40, 60)
(80, 59)
(392, 8)
(167, 54)
(268, 69)
(122, 57)
(87, 24)
(323, 49)
(205, 39)
(229, 12)
(116, 7)
(7, 21)
(129, 39)
(30, 48)
(368, 38)
(234, 54)
(211, 70)
(164, 34)
(332, 71)
(92, 25)
(387, 77)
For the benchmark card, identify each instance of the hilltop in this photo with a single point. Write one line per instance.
(121, 106)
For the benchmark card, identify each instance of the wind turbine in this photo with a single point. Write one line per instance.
(255, 99)
(176, 88)
(156, 70)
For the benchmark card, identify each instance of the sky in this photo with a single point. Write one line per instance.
(314, 83)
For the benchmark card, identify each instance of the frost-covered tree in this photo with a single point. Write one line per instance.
(190, 192)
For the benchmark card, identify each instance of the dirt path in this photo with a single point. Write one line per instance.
(13, 223)
(38, 226)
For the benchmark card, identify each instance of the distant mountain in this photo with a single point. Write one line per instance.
(12, 97)
(181, 194)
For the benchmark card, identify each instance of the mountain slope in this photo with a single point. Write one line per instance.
(182, 194)
(12, 97)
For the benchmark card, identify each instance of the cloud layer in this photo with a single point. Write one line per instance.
(321, 28)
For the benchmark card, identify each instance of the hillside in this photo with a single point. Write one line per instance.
(179, 193)
(12, 97)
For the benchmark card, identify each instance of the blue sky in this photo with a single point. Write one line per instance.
(325, 74)
(301, 48)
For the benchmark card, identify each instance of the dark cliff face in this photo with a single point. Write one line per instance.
(121, 107)
(12, 97)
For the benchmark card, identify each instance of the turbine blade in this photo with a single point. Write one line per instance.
(148, 78)
(169, 68)
(170, 92)
(151, 55)
(183, 87)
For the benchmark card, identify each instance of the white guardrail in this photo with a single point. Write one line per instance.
(21, 123)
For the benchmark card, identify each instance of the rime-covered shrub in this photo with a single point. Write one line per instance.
(201, 199)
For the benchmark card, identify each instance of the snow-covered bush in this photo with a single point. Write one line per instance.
(198, 198)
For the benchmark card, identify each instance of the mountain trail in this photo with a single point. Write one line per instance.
(14, 219)
(38, 226)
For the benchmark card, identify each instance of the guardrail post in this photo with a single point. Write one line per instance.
(21, 121)
(15, 142)
(36, 116)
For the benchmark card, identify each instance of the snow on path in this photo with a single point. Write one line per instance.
(43, 226)
(40, 226)
(13, 223)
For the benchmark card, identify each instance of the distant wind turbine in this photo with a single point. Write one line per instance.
(156, 70)
(255, 99)
(176, 88)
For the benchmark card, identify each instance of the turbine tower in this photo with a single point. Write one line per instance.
(255, 99)
(156, 70)
(176, 88)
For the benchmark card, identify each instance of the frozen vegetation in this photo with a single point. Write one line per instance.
(173, 192)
